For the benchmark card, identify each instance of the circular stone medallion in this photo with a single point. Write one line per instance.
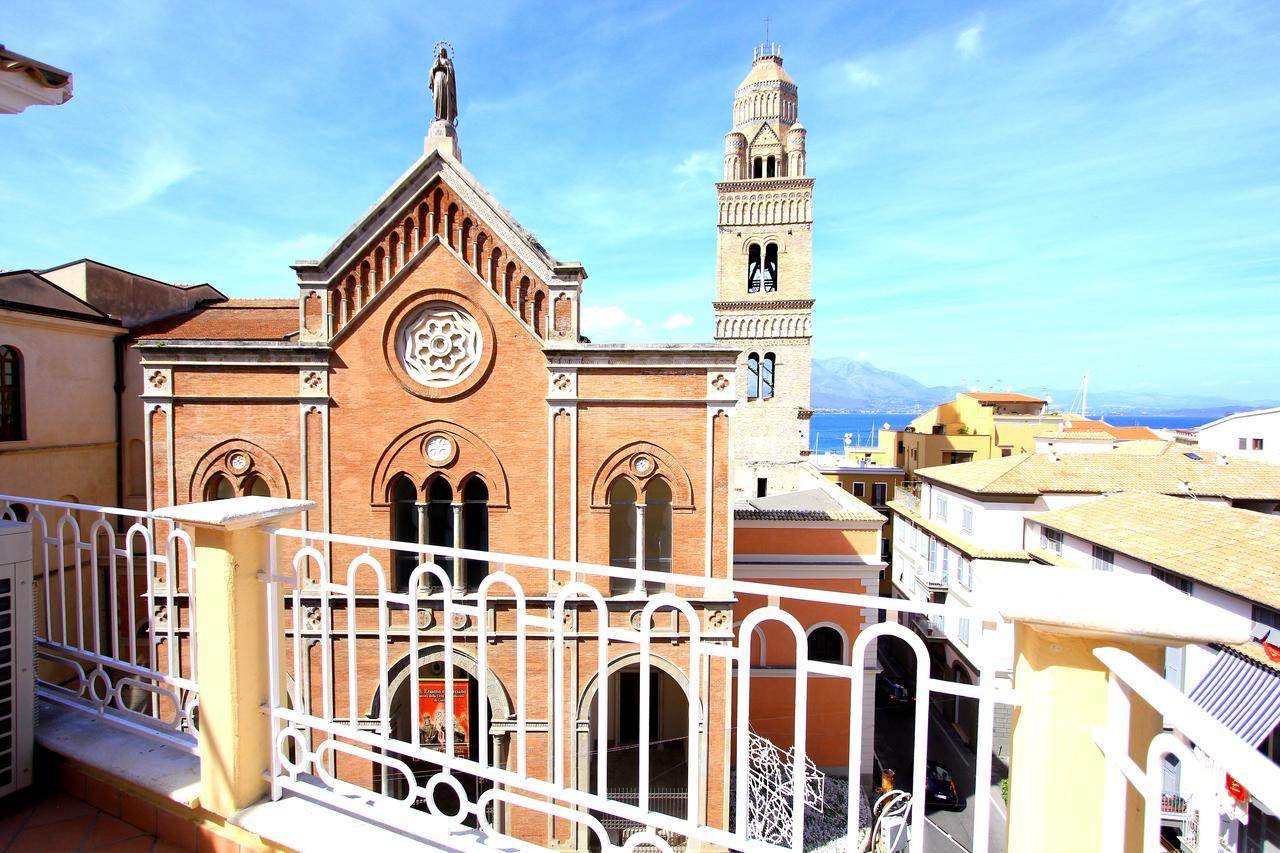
(238, 462)
(439, 344)
(438, 449)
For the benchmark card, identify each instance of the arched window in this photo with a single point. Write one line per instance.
(465, 241)
(766, 376)
(12, 425)
(757, 168)
(657, 526)
(826, 644)
(771, 267)
(475, 528)
(257, 487)
(440, 521)
(219, 488)
(755, 273)
(771, 167)
(404, 527)
(622, 532)
(753, 376)
(539, 312)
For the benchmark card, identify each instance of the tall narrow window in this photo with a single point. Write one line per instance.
(440, 521)
(766, 376)
(404, 527)
(475, 528)
(771, 166)
(771, 267)
(755, 271)
(757, 168)
(12, 427)
(753, 376)
(622, 532)
(657, 526)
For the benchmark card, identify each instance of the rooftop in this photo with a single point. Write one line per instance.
(1033, 474)
(232, 319)
(1232, 549)
(993, 397)
(816, 504)
(1082, 429)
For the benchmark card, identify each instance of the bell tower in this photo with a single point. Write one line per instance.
(764, 305)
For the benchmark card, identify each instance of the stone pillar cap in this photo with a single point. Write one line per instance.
(1086, 602)
(235, 513)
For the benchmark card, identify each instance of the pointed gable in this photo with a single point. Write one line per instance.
(438, 202)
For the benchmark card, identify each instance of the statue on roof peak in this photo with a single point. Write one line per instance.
(444, 87)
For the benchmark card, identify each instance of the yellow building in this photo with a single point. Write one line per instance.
(973, 426)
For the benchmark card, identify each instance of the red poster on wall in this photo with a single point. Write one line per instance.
(432, 719)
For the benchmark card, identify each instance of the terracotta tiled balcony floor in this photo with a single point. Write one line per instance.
(54, 822)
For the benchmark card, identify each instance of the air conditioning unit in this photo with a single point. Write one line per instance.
(17, 658)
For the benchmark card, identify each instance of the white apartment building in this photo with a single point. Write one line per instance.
(1254, 435)
(962, 519)
(1229, 558)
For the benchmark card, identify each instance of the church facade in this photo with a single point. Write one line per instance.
(429, 384)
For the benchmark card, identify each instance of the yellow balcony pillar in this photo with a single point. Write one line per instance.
(231, 649)
(1063, 795)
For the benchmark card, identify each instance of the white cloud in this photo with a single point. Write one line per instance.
(862, 355)
(609, 321)
(700, 165)
(155, 167)
(969, 42)
(860, 76)
(678, 321)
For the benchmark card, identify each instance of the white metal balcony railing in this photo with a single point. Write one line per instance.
(1217, 752)
(116, 639)
(354, 616)
(115, 632)
(908, 495)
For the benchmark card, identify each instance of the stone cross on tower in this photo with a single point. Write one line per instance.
(763, 300)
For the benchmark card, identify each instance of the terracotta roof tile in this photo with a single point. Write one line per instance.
(1229, 548)
(230, 320)
(1101, 473)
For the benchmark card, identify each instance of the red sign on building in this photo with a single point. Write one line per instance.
(432, 718)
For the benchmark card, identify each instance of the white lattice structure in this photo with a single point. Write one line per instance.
(769, 813)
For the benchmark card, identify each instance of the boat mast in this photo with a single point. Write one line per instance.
(1084, 399)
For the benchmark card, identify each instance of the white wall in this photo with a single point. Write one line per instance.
(1224, 436)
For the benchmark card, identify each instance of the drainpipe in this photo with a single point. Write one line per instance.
(120, 341)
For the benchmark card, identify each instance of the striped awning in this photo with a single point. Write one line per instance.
(1241, 695)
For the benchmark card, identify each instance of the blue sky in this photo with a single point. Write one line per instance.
(1007, 193)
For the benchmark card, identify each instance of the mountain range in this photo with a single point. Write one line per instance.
(847, 384)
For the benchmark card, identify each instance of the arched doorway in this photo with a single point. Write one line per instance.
(668, 738)
(431, 719)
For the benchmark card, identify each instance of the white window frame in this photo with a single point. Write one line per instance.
(966, 518)
(1051, 540)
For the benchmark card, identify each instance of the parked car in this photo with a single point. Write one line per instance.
(940, 787)
(893, 693)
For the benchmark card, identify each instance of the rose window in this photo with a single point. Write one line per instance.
(439, 344)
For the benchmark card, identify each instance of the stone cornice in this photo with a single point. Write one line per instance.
(769, 305)
(764, 184)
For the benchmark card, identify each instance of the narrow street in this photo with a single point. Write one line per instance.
(946, 830)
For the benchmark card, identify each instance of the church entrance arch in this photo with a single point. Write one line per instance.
(431, 720)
